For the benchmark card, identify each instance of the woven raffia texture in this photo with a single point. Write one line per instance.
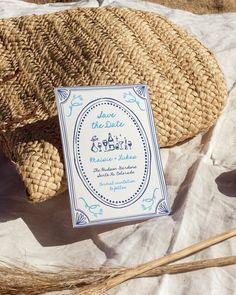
(97, 46)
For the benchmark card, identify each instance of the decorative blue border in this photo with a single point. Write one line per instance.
(140, 90)
(79, 164)
(81, 218)
(156, 148)
(162, 207)
(63, 95)
(74, 209)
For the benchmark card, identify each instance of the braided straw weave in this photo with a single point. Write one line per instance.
(97, 46)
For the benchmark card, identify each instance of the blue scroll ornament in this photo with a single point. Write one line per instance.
(95, 209)
(130, 98)
(149, 202)
(76, 101)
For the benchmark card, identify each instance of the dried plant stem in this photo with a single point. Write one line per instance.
(101, 288)
(18, 281)
(189, 266)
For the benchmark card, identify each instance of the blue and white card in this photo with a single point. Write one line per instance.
(111, 154)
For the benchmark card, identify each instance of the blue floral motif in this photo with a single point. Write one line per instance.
(95, 209)
(63, 94)
(81, 218)
(77, 101)
(129, 97)
(149, 202)
(140, 90)
(162, 207)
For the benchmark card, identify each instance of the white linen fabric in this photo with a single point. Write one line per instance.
(200, 175)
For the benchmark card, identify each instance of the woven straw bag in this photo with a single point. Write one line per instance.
(97, 46)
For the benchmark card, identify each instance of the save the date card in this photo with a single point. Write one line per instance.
(111, 154)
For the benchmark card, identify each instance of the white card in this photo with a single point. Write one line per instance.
(111, 154)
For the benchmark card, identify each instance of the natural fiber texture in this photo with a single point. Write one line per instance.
(98, 47)
(36, 151)
(15, 280)
(21, 281)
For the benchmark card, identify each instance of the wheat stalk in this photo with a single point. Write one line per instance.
(115, 280)
(18, 280)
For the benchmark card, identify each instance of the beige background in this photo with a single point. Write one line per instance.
(196, 6)
(200, 6)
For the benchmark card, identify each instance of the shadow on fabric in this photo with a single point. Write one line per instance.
(226, 183)
(50, 221)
